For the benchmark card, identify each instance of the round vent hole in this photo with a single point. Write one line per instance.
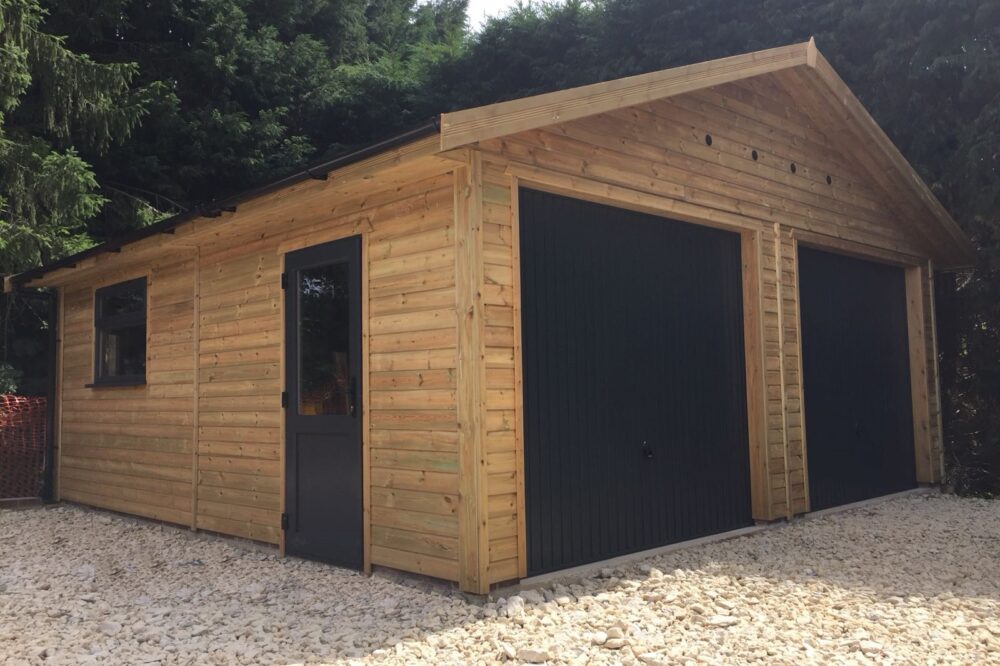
(708, 139)
(792, 167)
(829, 180)
(753, 154)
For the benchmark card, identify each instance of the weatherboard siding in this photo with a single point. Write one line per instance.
(502, 403)
(152, 451)
(129, 449)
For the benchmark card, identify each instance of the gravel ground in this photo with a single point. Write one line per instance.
(915, 579)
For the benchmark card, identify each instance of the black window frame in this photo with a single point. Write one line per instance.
(104, 323)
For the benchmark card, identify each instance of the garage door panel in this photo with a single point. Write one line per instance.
(635, 410)
(859, 427)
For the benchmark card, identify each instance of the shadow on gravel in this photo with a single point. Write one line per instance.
(79, 586)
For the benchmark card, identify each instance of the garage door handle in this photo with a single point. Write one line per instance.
(857, 429)
(647, 451)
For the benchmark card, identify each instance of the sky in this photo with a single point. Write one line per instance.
(479, 10)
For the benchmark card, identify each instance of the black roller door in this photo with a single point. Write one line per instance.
(634, 381)
(855, 361)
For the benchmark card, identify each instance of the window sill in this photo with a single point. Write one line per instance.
(117, 383)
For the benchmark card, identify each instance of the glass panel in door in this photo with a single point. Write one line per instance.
(324, 341)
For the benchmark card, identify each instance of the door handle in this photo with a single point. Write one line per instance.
(647, 451)
(352, 396)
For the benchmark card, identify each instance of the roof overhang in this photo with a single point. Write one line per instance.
(320, 171)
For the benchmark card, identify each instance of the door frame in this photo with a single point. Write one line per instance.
(918, 275)
(587, 189)
(364, 396)
(747, 242)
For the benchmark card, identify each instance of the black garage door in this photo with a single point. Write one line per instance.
(855, 361)
(634, 383)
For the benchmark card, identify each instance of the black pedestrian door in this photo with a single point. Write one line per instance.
(323, 412)
(635, 423)
(856, 367)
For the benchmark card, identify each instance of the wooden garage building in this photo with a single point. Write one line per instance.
(529, 335)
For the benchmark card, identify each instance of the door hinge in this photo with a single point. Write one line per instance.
(284, 399)
(284, 522)
(284, 280)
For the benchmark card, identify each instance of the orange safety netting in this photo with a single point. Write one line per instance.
(22, 446)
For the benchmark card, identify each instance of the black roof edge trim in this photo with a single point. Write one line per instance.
(228, 204)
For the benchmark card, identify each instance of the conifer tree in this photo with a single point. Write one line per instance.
(53, 103)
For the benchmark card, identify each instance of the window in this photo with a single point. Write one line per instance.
(120, 334)
(324, 342)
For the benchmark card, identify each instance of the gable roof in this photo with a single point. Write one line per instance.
(468, 126)
(821, 92)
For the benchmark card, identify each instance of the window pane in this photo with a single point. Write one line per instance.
(128, 301)
(324, 349)
(123, 352)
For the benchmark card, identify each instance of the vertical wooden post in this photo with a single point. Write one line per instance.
(915, 320)
(937, 434)
(366, 467)
(61, 346)
(522, 527)
(469, 266)
(779, 287)
(195, 385)
(282, 386)
(803, 438)
(756, 389)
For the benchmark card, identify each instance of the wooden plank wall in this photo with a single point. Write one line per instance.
(785, 431)
(239, 395)
(743, 156)
(137, 450)
(499, 353)
(413, 401)
(129, 449)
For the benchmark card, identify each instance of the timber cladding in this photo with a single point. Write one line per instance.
(501, 327)
(215, 330)
(773, 154)
(129, 449)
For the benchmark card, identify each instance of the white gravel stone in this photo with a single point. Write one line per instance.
(515, 606)
(912, 580)
(110, 628)
(532, 597)
(533, 655)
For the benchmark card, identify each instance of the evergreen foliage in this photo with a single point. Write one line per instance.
(52, 101)
(246, 90)
(237, 92)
